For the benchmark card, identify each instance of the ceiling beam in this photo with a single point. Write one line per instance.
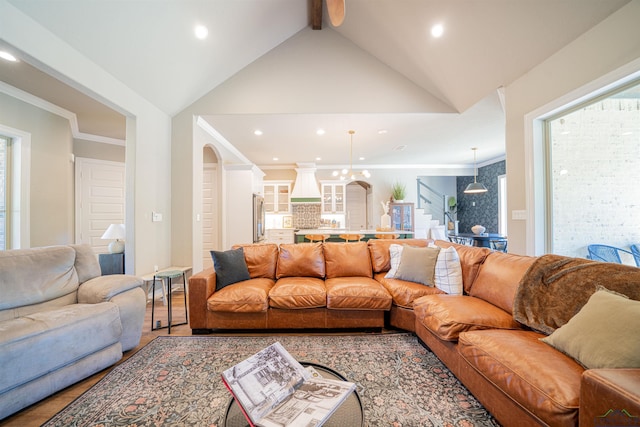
(316, 14)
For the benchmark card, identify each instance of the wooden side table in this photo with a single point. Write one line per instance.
(168, 276)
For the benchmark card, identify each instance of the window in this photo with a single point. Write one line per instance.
(593, 158)
(5, 173)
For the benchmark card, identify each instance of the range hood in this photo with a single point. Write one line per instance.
(305, 189)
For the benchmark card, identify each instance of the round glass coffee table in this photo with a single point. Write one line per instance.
(349, 414)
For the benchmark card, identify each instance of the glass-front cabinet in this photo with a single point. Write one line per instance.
(401, 216)
(277, 196)
(333, 197)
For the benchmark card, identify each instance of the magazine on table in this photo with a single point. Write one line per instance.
(274, 390)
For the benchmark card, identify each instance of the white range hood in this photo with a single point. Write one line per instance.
(305, 189)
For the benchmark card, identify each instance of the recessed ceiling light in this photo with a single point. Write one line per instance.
(257, 132)
(7, 56)
(437, 30)
(318, 159)
(320, 132)
(361, 158)
(276, 159)
(382, 131)
(201, 32)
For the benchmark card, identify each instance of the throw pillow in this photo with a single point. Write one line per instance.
(603, 334)
(395, 251)
(230, 267)
(448, 271)
(418, 265)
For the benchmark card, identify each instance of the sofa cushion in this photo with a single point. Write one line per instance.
(404, 293)
(449, 315)
(261, 259)
(37, 275)
(379, 251)
(499, 277)
(605, 333)
(471, 258)
(448, 272)
(395, 255)
(418, 265)
(347, 259)
(249, 296)
(300, 260)
(87, 265)
(37, 344)
(298, 292)
(358, 293)
(539, 378)
(230, 267)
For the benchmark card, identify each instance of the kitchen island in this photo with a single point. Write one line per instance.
(334, 234)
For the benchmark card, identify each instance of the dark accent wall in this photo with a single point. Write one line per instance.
(485, 211)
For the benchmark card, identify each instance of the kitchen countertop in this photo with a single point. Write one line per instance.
(303, 232)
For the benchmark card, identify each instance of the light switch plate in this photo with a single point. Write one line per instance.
(156, 217)
(519, 214)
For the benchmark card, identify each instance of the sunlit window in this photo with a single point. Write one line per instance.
(594, 173)
(4, 174)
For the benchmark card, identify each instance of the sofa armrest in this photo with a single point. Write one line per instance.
(608, 395)
(104, 288)
(201, 287)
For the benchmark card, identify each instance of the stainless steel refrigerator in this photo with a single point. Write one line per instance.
(258, 218)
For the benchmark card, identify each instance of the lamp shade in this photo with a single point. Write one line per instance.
(475, 187)
(115, 232)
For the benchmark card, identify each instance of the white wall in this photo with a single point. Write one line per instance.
(51, 171)
(564, 77)
(148, 164)
(361, 84)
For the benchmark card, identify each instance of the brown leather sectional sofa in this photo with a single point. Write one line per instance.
(518, 378)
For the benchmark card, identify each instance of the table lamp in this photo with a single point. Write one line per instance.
(115, 231)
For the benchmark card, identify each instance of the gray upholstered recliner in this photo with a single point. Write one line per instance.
(61, 321)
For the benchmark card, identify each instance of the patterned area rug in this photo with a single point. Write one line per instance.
(176, 381)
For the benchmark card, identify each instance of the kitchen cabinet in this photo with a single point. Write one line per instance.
(401, 216)
(333, 197)
(280, 235)
(277, 196)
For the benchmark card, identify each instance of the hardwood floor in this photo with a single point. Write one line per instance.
(38, 413)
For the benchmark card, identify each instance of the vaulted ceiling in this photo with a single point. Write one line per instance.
(454, 80)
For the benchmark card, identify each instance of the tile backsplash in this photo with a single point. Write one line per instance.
(306, 215)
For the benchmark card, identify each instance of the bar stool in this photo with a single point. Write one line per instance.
(387, 236)
(169, 275)
(316, 237)
(351, 237)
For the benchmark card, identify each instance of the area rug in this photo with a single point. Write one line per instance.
(176, 381)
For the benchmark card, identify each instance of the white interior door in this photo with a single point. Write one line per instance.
(209, 213)
(100, 190)
(356, 207)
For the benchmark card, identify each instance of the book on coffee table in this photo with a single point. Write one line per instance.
(273, 389)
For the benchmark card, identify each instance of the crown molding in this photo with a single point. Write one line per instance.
(59, 111)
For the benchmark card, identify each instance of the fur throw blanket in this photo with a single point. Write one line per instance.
(556, 287)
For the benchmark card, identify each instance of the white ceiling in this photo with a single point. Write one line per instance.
(149, 46)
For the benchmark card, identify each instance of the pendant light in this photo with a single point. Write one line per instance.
(475, 187)
(349, 174)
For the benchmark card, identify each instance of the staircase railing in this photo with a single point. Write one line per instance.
(432, 202)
